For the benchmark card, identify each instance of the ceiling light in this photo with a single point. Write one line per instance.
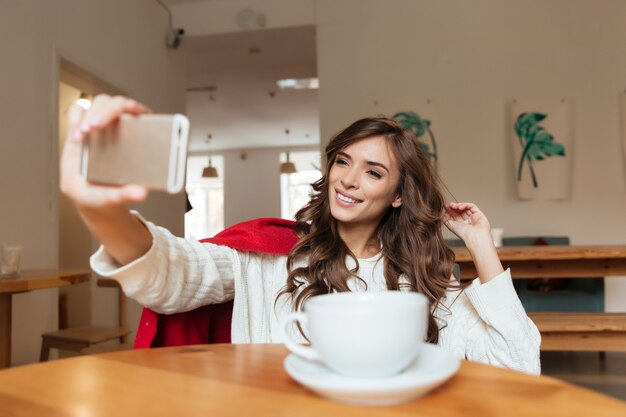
(84, 101)
(298, 84)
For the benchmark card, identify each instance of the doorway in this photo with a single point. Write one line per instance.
(82, 304)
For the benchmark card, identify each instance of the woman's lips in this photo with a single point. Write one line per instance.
(347, 200)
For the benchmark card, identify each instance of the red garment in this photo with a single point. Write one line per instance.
(211, 323)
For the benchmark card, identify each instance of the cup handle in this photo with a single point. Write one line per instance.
(300, 350)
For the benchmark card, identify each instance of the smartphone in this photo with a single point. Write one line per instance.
(149, 150)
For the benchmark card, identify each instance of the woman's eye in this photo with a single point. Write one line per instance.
(375, 174)
(341, 162)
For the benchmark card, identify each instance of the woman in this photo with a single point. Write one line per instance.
(373, 223)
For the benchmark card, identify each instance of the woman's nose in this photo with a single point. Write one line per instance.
(350, 179)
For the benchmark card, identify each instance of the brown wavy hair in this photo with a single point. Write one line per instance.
(410, 235)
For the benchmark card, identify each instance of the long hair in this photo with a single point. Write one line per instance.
(410, 235)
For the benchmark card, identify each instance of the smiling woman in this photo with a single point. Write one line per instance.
(362, 187)
(373, 223)
(383, 197)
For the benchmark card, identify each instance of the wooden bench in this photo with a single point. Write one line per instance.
(581, 331)
(596, 331)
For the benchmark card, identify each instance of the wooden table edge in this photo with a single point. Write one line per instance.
(38, 279)
(541, 253)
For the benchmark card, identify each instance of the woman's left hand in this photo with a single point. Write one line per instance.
(470, 224)
(466, 221)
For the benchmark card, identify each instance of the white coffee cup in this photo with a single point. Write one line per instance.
(361, 334)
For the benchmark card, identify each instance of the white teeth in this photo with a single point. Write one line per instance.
(346, 199)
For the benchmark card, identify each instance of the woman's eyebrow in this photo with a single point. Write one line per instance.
(373, 163)
(378, 164)
(345, 155)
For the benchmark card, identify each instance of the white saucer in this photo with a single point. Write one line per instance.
(433, 367)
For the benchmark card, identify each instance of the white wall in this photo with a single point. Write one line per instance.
(471, 58)
(122, 43)
(252, 185)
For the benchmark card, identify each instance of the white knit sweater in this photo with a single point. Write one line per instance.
(484, 323)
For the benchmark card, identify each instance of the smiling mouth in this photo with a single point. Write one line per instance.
(347, 199)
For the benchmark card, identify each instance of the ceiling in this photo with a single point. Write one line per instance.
(247, 110)
(183, 1)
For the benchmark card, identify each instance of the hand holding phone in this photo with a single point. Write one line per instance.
(147, 149)
(103, 208)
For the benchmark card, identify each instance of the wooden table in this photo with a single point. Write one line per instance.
(593, 331)
(29, 280)
(249, 380)
(553, 261)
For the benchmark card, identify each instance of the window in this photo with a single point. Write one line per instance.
(206, 196)
(295, 189)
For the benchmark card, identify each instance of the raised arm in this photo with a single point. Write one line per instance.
(488, 322)
(470, 224)
(103, 208)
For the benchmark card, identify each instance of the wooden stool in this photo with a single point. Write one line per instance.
(96, 349)
(81, 339)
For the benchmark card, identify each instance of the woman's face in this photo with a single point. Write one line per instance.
(362, 183)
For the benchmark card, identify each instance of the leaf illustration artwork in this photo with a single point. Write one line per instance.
(419, 126)
(537, 143)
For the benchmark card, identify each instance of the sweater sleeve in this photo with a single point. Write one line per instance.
(487, 323)
(175, 275)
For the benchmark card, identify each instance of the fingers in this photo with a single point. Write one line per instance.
(104, 110)
(74, 117)
(133, 193)
(463, 211)
(102, 195)
(463, 206)
(71, 155)
(122, 195)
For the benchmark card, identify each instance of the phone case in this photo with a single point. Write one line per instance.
(149, 150)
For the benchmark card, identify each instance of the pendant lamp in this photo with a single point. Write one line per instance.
(209, 171)
(287, 167)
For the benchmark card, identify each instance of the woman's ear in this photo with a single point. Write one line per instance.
(397, 202)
